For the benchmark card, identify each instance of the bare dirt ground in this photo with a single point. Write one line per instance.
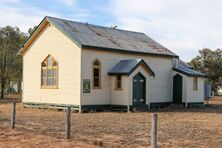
(192, 127)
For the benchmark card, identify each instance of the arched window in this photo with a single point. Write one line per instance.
(49, 74)
(96, 74)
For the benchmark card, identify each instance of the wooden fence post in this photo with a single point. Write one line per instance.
(68, 123)
(154, 131)
(13, 114)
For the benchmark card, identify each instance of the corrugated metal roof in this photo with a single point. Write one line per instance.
(184, 64)
(187, 69)
(87, 35)
(126, 67)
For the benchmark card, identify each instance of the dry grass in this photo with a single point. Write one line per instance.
(193, 127)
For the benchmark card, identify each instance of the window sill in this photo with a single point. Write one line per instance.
(118, 89)
(96, 88)
(49, 87)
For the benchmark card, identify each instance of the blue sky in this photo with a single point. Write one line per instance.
(183, 26)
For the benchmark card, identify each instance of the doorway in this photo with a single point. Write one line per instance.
(177, 88)
(139, 89)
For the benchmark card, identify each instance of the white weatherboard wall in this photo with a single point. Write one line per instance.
(68, 55)
(189, 94)
(120, 97)
(195, 95)
(160, 86)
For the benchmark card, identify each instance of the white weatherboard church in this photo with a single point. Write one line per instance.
(87, 67)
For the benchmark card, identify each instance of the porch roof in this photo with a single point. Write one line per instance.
(126, 67)
(187, 70)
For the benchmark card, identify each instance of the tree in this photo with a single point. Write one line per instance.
(10, 63)
(31, 30)
(210, 63)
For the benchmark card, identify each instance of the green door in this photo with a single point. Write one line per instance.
(177, 88)
(139, 89)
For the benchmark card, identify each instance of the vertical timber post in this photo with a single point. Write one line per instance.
(13, 115)
(68, 123)
(128, 109)
(154, 131)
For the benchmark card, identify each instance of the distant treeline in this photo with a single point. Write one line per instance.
(209, 62)
(11, 38)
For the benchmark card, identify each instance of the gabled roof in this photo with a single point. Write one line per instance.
(187, 70)
(92, 36)
(126, 67)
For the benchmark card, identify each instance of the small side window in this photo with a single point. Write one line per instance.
(118, 82)
(96, 74)
(195, 83)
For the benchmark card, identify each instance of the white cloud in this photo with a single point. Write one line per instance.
(10, 1)
(68, 2)
(31, 16)
(182, 26)
(79, 15)
(23, 18)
